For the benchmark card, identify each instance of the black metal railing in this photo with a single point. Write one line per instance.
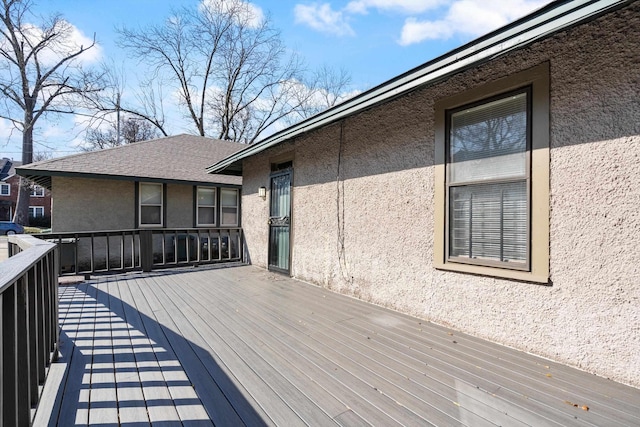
(28, 325)
(85, 253)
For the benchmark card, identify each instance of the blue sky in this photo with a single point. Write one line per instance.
(374, 40)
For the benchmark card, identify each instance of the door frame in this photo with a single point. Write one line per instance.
(276, 172)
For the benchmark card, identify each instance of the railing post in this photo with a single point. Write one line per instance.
(53, 267)
(16, 401)
(9, 364)
(23, 353)
(146, 250)
(33, 337)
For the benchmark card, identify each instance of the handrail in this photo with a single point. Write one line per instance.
(28, 251)
(28, 325)
(105, 251)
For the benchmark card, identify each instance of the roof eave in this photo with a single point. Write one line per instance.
(544, 22)
(44, 178)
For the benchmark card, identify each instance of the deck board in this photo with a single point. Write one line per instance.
(234, 346)
(347, 364)
(157, 364)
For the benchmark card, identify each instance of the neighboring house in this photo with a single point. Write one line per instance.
(39, 202)
(495, 189)
(160, 183)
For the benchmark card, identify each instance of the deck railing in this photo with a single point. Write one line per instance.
(85, 253)
(28, 325)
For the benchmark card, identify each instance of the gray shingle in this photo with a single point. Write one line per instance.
(174, 158)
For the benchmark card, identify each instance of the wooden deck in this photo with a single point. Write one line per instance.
(233, 346)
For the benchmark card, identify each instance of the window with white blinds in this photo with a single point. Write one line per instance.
(487, 181)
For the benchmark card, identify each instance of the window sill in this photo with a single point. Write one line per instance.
(524, 276)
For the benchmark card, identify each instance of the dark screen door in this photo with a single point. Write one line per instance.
(280, 221)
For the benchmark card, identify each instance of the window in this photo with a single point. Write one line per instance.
(487, 181)
(36, 211)
(37, 191)
(492, 149)
(6, 213)
(5, 190)
(150, 196)
(206, 209)
(228, 207)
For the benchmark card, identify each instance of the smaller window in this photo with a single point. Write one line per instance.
(37, 191)
(150, 204)
(36, 211)
(228, 207)
(5, 190)
(206, 211)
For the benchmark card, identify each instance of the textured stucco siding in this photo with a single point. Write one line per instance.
(81, 204)
(363, 207)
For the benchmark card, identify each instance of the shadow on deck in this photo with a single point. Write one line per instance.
(236, 346)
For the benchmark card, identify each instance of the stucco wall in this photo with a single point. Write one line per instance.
(363, 210)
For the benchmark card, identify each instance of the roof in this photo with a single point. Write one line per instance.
(554, 17)
(8, 168)
(180, 159)
(5, 165)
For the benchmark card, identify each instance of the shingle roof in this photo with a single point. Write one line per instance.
(5, 165)
(8, 168)
(180, 158)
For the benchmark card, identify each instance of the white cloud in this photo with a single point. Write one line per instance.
(415, 31)
(249, 13)
(69, 42)
(77, 39)
(467, 18)
(404, 6)
(7, 130)
(322, 18)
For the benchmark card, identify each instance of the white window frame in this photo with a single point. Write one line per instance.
(213, 207)
(35, 211)
(2, 187)
(538, 269)
(141, 205)
(237, 207)
(37, 191)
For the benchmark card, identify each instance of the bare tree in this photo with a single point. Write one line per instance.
(39, 156)
(147, 105)
(328, 87)
(39, 74)
(123, 131)
(228, 65)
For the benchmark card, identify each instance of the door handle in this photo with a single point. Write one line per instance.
(278, 221)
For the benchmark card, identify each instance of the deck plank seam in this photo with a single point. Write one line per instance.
(327, 372)
(368, 310)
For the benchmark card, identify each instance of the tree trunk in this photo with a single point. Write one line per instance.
(21, 215)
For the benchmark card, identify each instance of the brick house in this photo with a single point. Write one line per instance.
(39, 202)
